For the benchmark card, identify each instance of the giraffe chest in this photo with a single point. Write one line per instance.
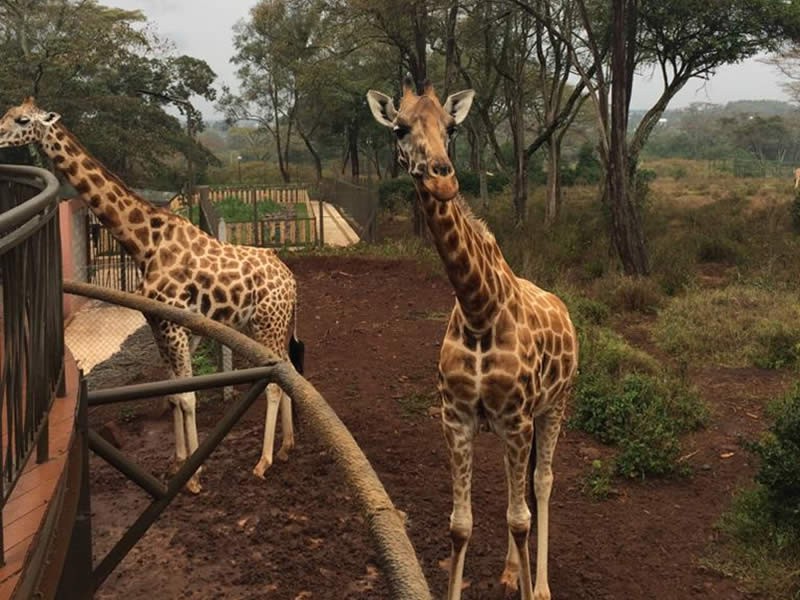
(490, 375)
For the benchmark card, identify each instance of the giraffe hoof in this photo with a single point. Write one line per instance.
(283, 454)
(509, 583)
(541, 594)
(261, 468)
(193, 486)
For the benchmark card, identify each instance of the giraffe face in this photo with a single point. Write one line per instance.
(424, 129)
(25, 124)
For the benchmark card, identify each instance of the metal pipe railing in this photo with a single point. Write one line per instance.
(32, 324)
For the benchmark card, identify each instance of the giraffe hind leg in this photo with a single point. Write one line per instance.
(174, 345)
(548, 426)
(274, 394)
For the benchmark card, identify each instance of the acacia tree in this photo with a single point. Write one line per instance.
(682, 40)
(555, 68)
(477, 49)
(91, 63)
(268, 91)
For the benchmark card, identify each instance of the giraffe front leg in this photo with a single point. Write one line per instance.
(547, 426)
(181, 451)
(287, 443)
(459, 443)
(188, 404)
(273, 403)
(518, 515)
(509, 580)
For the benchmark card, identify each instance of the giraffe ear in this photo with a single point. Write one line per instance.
(457, 105)
(382, 108)
(51, 118)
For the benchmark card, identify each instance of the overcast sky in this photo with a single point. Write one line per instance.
(203, 29)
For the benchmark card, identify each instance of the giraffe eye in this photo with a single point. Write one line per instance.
(22, 120)
(401, 131)
(452, 131)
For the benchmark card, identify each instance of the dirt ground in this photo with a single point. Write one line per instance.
(372, 329)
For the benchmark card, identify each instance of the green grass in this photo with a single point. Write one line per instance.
(735, 326)
(235, 210)
(204, 358)
(761, 530)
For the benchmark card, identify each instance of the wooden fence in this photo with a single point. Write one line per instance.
(286, 228)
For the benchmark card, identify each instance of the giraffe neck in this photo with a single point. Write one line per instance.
(122, 211)
(480, 276)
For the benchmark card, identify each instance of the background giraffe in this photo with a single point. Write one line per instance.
(510, 353)
(244, 287)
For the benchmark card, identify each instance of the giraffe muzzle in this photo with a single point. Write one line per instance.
(441, 180)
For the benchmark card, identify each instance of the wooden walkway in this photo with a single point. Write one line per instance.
(28, 505)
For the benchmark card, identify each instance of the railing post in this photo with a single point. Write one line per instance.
(226, 354)
(76, 577)
(321, 223)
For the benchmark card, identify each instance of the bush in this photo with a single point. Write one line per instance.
(779, 472)
(625, 398)
(633, 294)
(735, 326)
(393, 193)
(469, 182)
(588, 169)
(777, 345)
(718, 249)
(795, 212)
(764, 520)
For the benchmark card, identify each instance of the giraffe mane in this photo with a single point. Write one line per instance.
(479, 224)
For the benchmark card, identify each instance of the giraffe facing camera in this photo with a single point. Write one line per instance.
(247, 288)
(509, 356)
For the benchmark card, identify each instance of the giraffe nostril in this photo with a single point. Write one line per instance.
(441, 169)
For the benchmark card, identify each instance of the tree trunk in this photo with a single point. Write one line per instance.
(520, 186)
(352, 140)
(314, 155)
(626, 227)
(552, 207)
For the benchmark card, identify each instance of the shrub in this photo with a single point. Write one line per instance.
(735, 326)
(588, 169)
(795, 212)
(673, 265)
(718, 249)
(625, 398)
(764, 520)
(777, 345)
(393, 193)
(634, 294)
(779, 472)
(469, 182)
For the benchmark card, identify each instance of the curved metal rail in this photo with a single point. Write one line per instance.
(31, 325)
(398, 559)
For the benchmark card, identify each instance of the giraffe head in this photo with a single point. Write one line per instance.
(25, 124)
(424, 128)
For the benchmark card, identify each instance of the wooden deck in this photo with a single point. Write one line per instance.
(30, 502)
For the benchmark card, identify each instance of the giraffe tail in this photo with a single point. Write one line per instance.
(297, 349)
(297, 352)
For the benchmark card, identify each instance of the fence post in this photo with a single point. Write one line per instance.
(227, 354)
(321, 223)
(76, 577)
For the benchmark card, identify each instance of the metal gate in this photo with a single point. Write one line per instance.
(108, 264)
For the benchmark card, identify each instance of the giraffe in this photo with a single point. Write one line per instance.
(509, 354)
(244, 287)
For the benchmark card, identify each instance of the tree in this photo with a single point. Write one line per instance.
(91, 63)
(681, 40)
